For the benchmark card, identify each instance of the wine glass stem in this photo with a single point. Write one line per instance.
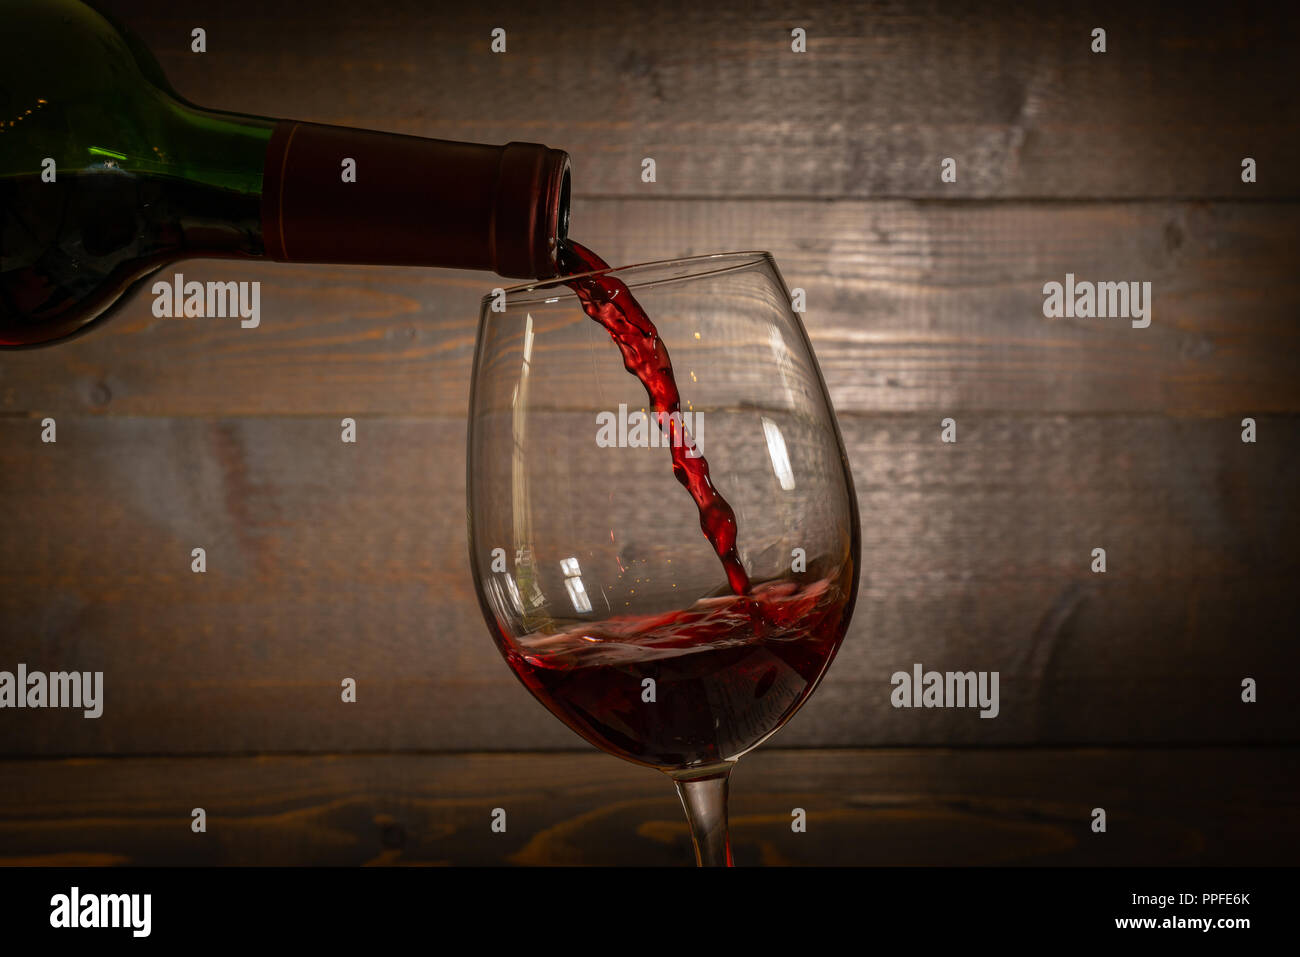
(705, 801)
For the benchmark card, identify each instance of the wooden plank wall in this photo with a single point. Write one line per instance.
(924, 301)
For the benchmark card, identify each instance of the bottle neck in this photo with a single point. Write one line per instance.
(333, 194)
(208, 180)
(341, 195)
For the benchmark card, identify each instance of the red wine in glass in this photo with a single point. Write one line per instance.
(728, 672)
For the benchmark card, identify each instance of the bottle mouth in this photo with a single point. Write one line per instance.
(531, 217)
(566, 186)
(556, 213)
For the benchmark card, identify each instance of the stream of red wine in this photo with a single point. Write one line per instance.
(608, 301)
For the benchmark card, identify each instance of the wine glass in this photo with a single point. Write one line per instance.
(589, 556)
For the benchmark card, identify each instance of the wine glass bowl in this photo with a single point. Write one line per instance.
(600, 589)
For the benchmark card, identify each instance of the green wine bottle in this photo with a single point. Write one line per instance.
(106, 174)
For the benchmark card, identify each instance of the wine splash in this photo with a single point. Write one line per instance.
(608, 301)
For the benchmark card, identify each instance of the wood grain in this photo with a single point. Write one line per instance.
(328, 561)
(1198, 806)
(714, 94)
(911, 306)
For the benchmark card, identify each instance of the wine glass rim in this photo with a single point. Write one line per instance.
(555, 287)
